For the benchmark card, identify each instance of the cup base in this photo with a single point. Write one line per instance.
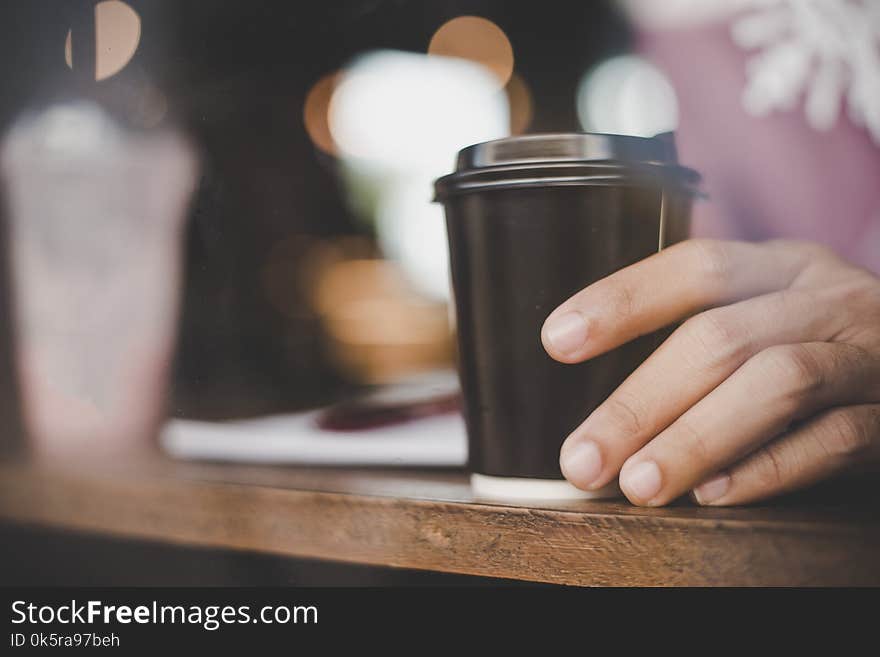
(524, 488)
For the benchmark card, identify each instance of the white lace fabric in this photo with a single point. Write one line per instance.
(819, 55)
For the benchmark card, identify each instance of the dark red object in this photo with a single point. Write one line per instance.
(373, 411)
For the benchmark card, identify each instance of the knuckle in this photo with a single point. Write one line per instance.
(717, 335)
(772, 470)
(861, 296)
(815, 251)
(696, 443)
(847, 432)
(623, 415)
(871, 287)
(857, 307)
(712, 258)
(809, 251)
(810, 259)
(797, 370)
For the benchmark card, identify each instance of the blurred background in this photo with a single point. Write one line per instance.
(314, 260)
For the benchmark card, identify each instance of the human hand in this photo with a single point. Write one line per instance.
(772, 383)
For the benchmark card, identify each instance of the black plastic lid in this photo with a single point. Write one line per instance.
(557, 159)
(568, 147)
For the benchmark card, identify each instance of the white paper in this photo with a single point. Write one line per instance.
(297, 439)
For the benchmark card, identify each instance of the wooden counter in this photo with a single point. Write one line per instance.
(429, 520)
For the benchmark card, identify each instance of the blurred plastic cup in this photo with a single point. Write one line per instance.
(95, 217)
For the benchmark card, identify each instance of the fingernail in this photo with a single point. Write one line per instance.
(581, 464)
(712, 490)
(643, 480)
(566, 333)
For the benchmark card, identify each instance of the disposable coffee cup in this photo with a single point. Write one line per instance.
(531, 220)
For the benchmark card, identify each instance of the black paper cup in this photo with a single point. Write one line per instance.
(531, 220)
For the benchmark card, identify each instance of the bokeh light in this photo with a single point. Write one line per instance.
(68, 50)
(398, 120)
(627, 95)
(117, 35)
(380, 329)
(412, 230)
(403, 110)
(294, 272)
(519, 98)
(478, 40)
(316, 112)
(345, 282)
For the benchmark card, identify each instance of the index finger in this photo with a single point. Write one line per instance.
(665, 288)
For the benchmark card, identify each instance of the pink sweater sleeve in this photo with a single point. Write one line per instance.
(770, 176)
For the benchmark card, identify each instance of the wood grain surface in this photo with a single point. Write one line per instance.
(429, 520)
